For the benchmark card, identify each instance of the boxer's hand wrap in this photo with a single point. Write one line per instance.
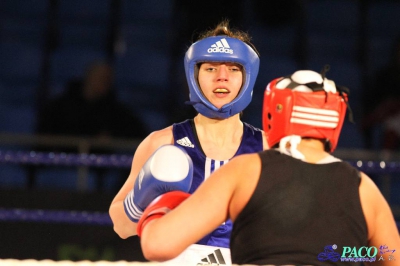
(169, 168)
(161, 206)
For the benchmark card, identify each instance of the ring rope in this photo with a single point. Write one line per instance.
(113, 160)
(376, 167)
(67, 159)
(59, 216)
(124, 161)
(55, 216)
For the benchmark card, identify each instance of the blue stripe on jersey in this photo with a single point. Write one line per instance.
(212, 166)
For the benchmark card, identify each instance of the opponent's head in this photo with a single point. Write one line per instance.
(304, 104)
(221, 48)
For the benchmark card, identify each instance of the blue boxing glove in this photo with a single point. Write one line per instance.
(169, 168)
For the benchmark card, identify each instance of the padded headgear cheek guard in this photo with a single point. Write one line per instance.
(317, 114)
(221, 49)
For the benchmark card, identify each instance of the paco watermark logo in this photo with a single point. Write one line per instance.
(357, 254)
(329, 254)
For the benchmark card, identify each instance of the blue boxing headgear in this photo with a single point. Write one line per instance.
(221, 49)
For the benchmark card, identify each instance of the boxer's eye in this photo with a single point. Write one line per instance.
(235, 69)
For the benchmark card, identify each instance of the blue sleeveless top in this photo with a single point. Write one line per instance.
(185, 136)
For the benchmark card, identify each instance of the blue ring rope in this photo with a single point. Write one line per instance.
(101, 160)
(67, 159)
(124, 161)
(55, 216)
(64, 217)
(376, 167)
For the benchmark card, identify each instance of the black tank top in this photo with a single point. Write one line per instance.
(298, 209)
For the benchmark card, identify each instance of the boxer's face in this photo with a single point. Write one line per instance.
(220, 82)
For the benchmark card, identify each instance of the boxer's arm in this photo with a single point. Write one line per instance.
(382, 229)
(209, 206)
(160, 206)
(123, 226)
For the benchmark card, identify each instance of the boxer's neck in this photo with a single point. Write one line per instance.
(220, 139)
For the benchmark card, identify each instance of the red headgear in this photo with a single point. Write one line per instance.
(305, 104)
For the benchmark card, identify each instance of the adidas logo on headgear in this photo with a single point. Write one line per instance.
(214, 258)
(221, 46)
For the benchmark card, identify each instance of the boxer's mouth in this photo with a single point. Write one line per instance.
(221, 90)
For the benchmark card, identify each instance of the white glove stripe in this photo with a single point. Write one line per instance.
(131, 205)
(133, 211)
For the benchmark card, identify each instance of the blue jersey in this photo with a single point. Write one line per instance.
(185, 136)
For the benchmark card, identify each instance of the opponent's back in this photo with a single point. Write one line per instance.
(297, 209)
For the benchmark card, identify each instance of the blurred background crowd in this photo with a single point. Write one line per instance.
(113, 69)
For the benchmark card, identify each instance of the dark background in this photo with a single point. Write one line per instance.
(43, 239)
(46, 43)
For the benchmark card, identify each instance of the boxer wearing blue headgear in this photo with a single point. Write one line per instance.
(221, 49)
(221, 69)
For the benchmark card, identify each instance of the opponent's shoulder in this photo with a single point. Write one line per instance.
(378, 215)
(368, 187)
(246, 162)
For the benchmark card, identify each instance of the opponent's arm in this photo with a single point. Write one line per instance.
(382, 229)
(207, 208)
(123, 226)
